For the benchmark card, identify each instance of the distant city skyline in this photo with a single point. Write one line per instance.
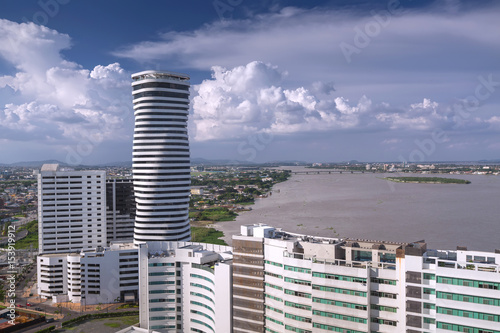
(322, 81)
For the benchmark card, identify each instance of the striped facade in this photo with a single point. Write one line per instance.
(161, 162)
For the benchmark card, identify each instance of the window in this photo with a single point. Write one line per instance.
(384, 321)
(340, 303)
(339, 316)
(297, 269)
(297, 293)
(339, 277)
(297, 281)
(383, 281)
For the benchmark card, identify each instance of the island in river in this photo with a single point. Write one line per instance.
(430, 180)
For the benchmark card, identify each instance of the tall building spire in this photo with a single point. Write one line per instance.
(161, 164)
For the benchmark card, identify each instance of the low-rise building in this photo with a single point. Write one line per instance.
(100, 275)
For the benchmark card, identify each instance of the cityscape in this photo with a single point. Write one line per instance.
(216, 188)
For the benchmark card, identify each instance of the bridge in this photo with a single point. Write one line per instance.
(322, 172)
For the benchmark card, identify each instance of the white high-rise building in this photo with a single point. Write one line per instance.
(71, 209)
(161, 163)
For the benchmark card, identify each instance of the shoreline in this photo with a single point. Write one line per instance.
(227, 227)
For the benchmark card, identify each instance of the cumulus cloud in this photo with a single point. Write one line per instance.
(53, 100)
(252, 99)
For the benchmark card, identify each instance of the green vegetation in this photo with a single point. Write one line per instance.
(255, 178)
(127, 318)
(5, 228)
(225, 192)
(46, 330)
(31, 238)
(216, 214)
(128, 306)
(230, 194)
(433, 180)
(16, 182)
(207, 235)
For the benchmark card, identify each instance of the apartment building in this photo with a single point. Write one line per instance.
(185, 287)
(71, 209)
(284, 282)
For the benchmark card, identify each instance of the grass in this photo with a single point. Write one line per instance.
(219, 214)
(207, 235)
(439, 180)
(199, 173)
(117, 322)
(128, 306)
(126, 321)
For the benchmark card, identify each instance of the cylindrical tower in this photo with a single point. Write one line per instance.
(161, 164)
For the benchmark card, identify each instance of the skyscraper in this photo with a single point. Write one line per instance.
(161, 164)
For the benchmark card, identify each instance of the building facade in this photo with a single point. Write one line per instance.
(453, 291)
(185, 287)
(120, 214)
(71, 209)
(314, 284)
(161, 162)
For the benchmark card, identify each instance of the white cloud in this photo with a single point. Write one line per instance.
(391, 141)
(402, 85)
(251, 99)
(54, 100)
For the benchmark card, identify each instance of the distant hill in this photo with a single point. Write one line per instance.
(202, 161)
(34, 164)
(194, 161)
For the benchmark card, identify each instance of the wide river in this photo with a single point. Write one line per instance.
(368, 207)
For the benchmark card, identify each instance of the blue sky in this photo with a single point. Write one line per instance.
(271, 80)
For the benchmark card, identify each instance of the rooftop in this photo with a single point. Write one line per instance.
(50, 167)
(152, 74)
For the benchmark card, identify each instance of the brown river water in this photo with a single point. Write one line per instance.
(368, 207)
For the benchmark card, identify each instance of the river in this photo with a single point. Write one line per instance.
(368, 207)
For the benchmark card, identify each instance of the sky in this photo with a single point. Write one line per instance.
(315, 81)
